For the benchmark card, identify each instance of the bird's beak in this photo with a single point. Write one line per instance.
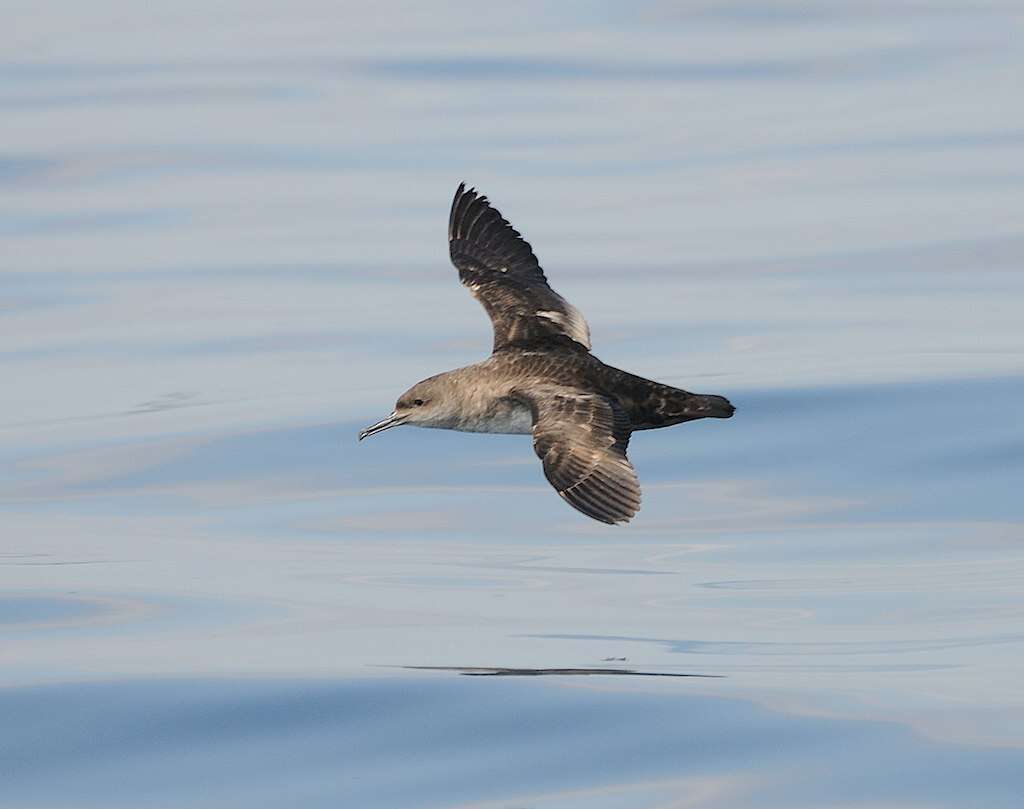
(393, 420)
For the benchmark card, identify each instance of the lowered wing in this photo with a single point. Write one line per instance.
(581, 439)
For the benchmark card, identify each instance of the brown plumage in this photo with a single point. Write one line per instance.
(541, 377)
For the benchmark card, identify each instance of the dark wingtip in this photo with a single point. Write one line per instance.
(463, 199)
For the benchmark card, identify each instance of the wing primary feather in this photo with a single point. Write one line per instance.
(476, 210)
(463, 200)
(453, 214)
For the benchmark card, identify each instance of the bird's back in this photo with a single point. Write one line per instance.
(646, 403)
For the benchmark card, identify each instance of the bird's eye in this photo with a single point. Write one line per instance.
(418, 402)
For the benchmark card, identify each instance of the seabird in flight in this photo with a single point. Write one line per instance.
(541, 378)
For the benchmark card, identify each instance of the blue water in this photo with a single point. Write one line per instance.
(222, 254)
(385, 742)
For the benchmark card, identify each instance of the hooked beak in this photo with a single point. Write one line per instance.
(393, 420)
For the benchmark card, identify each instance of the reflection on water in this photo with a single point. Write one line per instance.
(223, 253)
(603, 671)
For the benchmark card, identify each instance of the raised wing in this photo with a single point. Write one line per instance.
(581, 439)
(502, 272)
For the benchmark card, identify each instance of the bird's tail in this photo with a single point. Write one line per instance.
(706, 405)
(663, 406)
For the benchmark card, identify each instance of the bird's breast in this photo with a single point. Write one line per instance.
(501, 416)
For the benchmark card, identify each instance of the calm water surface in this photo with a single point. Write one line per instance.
(222, 252)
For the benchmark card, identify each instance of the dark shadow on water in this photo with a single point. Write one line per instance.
(501, 671)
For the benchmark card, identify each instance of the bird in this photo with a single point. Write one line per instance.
(541, 378)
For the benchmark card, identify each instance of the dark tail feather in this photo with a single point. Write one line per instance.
(650, 405)
(663, 406)
(704, 406)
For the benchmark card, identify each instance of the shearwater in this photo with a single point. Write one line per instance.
(541, 378)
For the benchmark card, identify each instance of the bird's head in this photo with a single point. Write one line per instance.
(423, 405)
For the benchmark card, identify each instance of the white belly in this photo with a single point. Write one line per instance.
(513, 418)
